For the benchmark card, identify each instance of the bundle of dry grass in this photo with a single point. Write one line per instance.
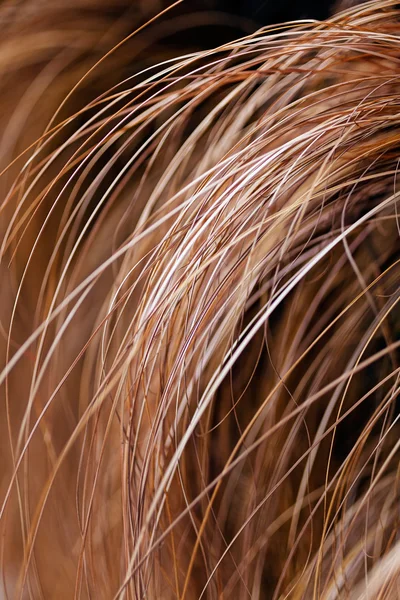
(199, 307)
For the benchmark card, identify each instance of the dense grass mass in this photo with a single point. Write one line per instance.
(199, 310)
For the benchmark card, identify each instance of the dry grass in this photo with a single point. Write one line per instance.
(199, 307)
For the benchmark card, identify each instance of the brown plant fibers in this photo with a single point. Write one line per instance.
(199, 310)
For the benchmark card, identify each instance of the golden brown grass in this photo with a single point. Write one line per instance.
(199, 307)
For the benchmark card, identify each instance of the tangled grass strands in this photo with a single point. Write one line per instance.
(200, 318)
